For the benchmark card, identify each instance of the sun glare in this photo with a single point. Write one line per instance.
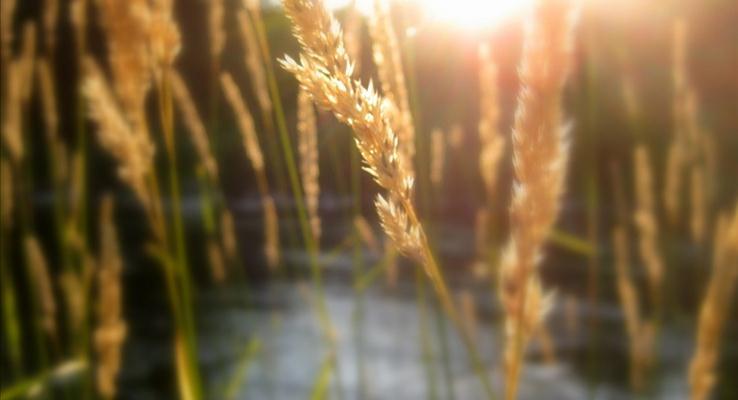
(466, 14)
(473, 14)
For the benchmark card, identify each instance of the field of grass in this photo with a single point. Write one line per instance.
(370, 199)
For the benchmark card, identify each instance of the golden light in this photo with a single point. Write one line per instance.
(466, 14)
(472, 14)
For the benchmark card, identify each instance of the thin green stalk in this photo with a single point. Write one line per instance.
(423, 154)
(358, 271)
(11, 324)
(288, 154)
(426, 349)
(182, 271)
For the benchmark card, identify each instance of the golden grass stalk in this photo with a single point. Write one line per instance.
(307, 135)
(11, 124)
(326, 72)
(216, 32)
(194, 124)
(126, 25)
(715, 307)
(50, 18)
(7, 13)
(27, 60)
(48, 98)
(628, 301)
(39, 269)
(438, 157)
(228, 235)
(111, 329)
(163, 34)
(683, 149)
(647, 225)
(675, 160)
(74, 287)
(253, 150)
(271, 232)
(254, 63)
(540, 156)
(386, 53)
(132, 150)
(698, 197)
(215, 259)
(352, 35)
(492, 143)
(56, 147)
(6, 194)
(78, 19)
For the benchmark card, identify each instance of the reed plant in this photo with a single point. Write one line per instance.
(540, 154)
(325, 72)
(715, 308)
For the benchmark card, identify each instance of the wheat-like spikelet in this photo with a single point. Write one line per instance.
(133, 151)
(163, 34)
(675, 160)
(386, 52)
(698, 197)
(438, 158)
(48, 99)
(245, 122)
(194, 124)
(684, 147)
(50, 18)
(215, 260)
(325, 72)
(352, 35)
(126, 25)
(111, 329)
(254, 62)
(216, 32)
(11, 122)
(56, 147)
(540, 156)
(253, 150)
(307, 131)
(73, 287)
(39, 268)
(28, 60)
(491, 141)
(78, 19)
(715, 307)
(228, 235)
(628, 299)
(645, 221)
